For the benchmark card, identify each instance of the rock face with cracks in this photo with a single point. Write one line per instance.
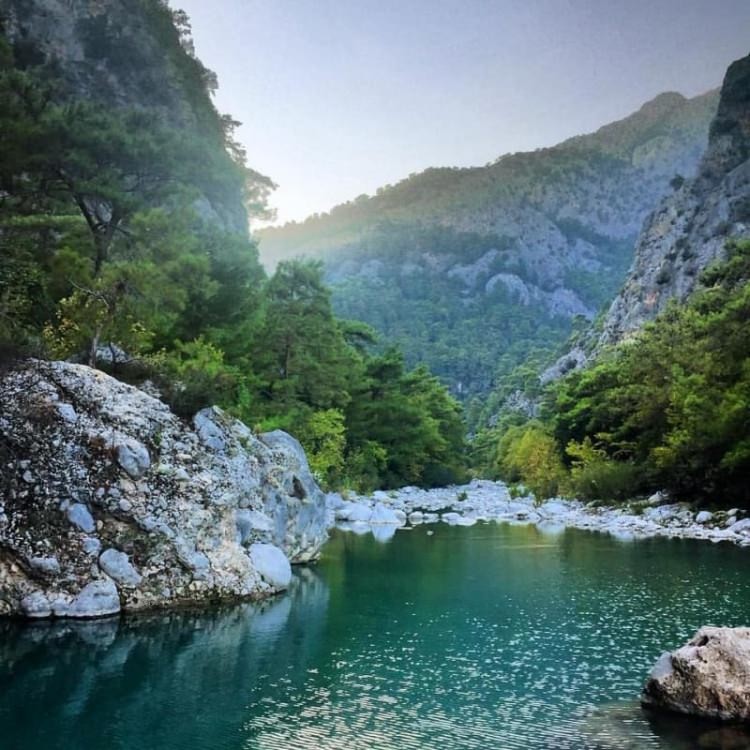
(109, 502)
(707, 677)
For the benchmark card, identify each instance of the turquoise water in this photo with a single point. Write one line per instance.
(492, 636)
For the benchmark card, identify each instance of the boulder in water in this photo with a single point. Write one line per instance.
(708, 677)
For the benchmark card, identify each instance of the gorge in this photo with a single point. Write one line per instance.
(450, 465)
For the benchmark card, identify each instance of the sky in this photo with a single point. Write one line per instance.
(340, 97)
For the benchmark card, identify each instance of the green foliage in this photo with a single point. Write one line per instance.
(324, 436)
(102, 244)
(669, 409)
(596, 476)
(412, 418)
(470, 339)
(302, 356)
(528, 453)
(194, 375)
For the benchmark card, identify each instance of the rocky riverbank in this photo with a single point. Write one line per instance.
(384, 512)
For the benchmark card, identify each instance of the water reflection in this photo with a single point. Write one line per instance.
(446, 637)
(177, 680)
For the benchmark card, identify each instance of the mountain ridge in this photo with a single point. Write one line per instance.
(473, 270)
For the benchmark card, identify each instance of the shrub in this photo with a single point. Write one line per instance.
(596, 476)
(194, 376)
(323, 436)
(530, 454)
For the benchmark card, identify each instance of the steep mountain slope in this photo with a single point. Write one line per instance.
(127, 54)
(475, 270)
(690, 228)
(663, 400)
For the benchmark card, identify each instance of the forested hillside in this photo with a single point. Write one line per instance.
(662, 402)
(124, 244)
(476, 271)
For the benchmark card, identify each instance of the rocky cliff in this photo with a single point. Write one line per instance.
(127, 54)
(109, 502)
(690, 228)
(560, 205)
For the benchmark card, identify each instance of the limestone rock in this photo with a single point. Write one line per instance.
(97, 599)
(133, 457)
(78, 515)
(386, 516)
(689, 229)
(354, 513)
(132, 508)
(117, 566)
(708, 677)
(272, 564)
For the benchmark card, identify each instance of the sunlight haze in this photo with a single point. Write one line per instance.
(337, 99)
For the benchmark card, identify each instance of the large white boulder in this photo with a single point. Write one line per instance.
(354, 513)
(708, 677)
(112, 502)
(387, 516)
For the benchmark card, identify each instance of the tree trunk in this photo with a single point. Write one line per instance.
(94, 347)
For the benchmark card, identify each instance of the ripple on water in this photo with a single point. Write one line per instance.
(481, 637)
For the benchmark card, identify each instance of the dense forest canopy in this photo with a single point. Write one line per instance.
(665, 409)
(114, 251)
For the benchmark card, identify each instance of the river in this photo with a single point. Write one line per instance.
(492, 636)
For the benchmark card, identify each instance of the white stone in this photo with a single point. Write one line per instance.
(67, 413)
(46, 565)
(36, 605)
(117, 565)
(133, 457)
(704, 517)
(354, 513)
(554, 508)
(272, 564)
(79, 515)
(741, 527)
(91, 545)
(250, 523)
(96, 599)
(382, 515)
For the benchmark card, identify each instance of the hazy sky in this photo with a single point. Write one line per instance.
(339, 97)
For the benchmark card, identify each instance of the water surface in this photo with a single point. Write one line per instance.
(493, 636)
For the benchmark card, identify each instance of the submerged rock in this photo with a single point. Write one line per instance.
(708, 677)
(127, 507)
